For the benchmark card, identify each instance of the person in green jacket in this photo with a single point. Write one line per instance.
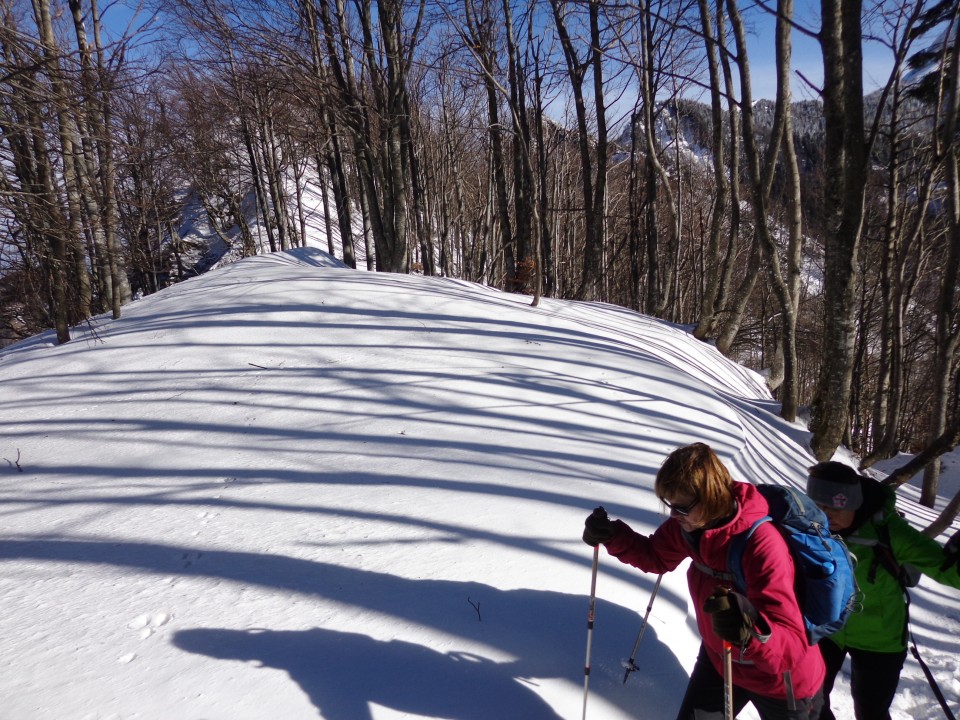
(863, 512)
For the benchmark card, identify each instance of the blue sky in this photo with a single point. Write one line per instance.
(806, 52)
(807, 59)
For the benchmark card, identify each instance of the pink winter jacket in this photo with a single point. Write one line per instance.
(768, 571)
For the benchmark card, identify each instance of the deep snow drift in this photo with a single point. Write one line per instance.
(289, 489)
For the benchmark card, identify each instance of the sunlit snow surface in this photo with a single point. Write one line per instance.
(287, 489)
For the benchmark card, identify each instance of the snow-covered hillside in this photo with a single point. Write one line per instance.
(289, 489)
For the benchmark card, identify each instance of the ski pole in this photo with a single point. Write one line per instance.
(590, 616)
(727, 681)
(930, 679)
(631, 664)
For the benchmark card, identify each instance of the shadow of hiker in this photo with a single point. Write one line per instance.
(543, 631)
(343, 672)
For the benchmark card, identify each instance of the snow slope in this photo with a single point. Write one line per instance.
(289, 489)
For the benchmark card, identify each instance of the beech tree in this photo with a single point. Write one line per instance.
(489, 140)
(947, 313)
(583, 66)
(847, 163)
(760, 174)
(57, 146)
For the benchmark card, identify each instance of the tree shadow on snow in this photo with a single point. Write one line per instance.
(543, 632)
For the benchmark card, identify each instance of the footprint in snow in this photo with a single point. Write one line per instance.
(147, 623)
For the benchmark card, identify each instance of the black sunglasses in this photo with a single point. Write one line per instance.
(681, 509)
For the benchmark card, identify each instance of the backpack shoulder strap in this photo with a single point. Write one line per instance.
(735, 553)
(883, 556)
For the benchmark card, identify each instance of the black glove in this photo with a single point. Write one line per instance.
(598, 528)
(732, 616)
(951, 552)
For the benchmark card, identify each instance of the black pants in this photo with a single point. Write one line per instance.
(704, 698)
(873, 680)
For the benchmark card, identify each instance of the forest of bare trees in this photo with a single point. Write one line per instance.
(578, 149)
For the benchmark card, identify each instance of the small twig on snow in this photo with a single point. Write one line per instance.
(16, 463)
(476, 606)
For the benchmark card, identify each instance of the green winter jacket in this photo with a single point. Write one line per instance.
(880, 626)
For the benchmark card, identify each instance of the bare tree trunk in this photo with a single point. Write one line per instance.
(483, 39)
(789, 293)
(524, 210)
(947, 442)
(255, 169)
(902, 252)
(888, 395)
(50, 230)
(739, 299)
(660, 250)
(711, 261)
(58, 247)
(947, 331)
(423, 229)
(846, 156)
(332, 155)
(593, 180)
(945, 518)
(83, 167)
(733, 244)
(111, 213)
(596, 233)
(546, 270)
(367, 231)
(327, 222)
(941, 445)
(341, 195)
(266, 153)
(633, 205)
(379, 146)
(761, 179)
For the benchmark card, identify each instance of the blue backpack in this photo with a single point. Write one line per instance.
(826, 589)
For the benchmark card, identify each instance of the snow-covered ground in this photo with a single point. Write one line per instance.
(287, 489)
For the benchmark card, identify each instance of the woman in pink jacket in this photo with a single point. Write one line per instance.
(774, 667)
